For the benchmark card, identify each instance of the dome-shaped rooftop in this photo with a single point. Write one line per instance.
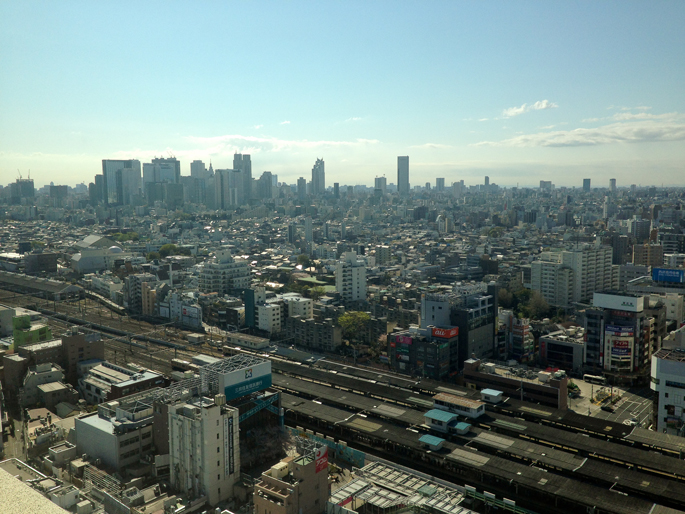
(115, 249)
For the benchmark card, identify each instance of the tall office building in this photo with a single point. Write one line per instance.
(336, 190)
(487, 181)
(121, 180)
(22, 189)
(403, 175)
(198, 170)
(586, 185)
(318, 178)
(350, 277)
(308, 230)
(612, 185)
(175, 165)
(301, 189)
(243, 163)
(380, 183)
(439, 184)
(159, 172)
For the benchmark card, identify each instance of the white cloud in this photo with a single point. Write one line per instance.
(623, 116)
(631, 132)
(639, 108)
(356, 118)
(228, 144)
(257, 127)
(591, 120)
(286, 122)
(547, 127)
(537, 106)
(432, 146)
(483, 119)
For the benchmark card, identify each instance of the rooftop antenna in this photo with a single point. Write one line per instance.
(19, 174)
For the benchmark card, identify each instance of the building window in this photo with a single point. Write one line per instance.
(217, 449)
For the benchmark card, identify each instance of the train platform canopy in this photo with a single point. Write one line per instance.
(51, 287)
(440, 415)
(435, 443)
(673, 443)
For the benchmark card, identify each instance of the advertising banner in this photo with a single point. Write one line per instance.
(404, 339)
(618, 302)
(446, 333)
(321, 458)
(668, 275)
(246, 380)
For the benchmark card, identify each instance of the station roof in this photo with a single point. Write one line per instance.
(431, 440)
(440, 415)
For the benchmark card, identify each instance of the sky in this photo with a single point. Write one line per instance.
(520, 91)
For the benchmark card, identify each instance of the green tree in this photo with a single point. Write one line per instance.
(316, 292)
(153, 255)
(354, 323)
(505, 298)
(168, 249)
(303, 259)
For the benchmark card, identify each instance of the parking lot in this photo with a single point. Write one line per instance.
(633, 403)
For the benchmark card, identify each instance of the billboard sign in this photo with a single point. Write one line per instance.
(618, 302)
(245, 381)
(321, 458)
(446, 333)
(404, 339)
(668, 275)
(617, 331)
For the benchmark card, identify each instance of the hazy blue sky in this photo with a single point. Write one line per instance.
(520, 91)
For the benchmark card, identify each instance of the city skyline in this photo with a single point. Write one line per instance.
(521, 93)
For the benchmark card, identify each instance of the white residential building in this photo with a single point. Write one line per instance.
(299, 305)
(350, 277)
(668, 381)
(553, 281)
(269, 316)
(224, 274)
(204, 449)
(590, 270)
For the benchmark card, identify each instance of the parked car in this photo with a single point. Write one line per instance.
(607, 408)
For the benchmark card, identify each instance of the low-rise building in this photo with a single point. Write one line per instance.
(322, 336)
(296, 485)
(105, 382)
(119, 434)
(519, 384)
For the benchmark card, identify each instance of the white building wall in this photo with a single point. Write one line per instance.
(204, 450)
(668, 382)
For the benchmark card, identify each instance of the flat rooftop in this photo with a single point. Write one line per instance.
(672, 354)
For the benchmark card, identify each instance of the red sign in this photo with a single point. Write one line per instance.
(446, 333)
(403, 339)
(321, 458)
(392, 344)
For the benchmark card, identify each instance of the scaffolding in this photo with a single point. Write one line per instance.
(211, 373)
(95, 478)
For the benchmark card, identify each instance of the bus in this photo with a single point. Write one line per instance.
(594, 379)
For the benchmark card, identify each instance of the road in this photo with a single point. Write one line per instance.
(634, 403)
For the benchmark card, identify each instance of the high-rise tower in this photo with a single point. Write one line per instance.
(318, 178)
(403, 175)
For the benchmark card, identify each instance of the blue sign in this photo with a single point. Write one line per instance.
(248, 386)
(668, 275)
(620, 352)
